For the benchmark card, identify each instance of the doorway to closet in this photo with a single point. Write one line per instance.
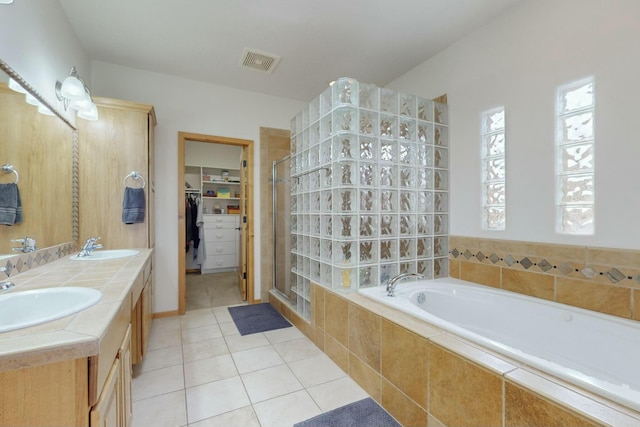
(215, 221)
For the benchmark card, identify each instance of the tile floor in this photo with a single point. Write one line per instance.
(199, 372)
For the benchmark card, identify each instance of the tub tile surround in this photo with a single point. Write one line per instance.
(424, 376)
(599, 279)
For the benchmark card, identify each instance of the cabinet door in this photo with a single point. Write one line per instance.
(124, 354)
(114, 145)
(147, 312)
(105, 412)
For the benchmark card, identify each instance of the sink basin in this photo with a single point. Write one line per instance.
(106, 254)
(27, 308)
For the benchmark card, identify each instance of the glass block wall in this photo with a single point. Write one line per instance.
(369, 189)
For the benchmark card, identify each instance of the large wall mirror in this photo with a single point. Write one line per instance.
(41, 150)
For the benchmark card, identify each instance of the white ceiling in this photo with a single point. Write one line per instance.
(373, 41)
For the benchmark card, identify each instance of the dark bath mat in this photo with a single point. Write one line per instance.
(363, 413)
(251, 319)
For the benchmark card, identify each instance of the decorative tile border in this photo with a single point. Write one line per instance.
(21, 263)
(619, 267)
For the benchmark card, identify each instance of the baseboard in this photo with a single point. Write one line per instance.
(165, 314)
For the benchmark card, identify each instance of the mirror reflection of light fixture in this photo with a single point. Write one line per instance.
(31, 100)
(43, 109)
(75, 94)
(15, 86)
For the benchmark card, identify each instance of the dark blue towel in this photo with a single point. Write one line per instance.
(10, 204)
(133, 205)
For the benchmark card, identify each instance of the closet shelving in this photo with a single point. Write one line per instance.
(216, 192)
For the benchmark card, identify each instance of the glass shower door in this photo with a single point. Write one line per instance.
(281, 181)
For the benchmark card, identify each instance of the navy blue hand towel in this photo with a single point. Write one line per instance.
(10, 204)
(133, 205)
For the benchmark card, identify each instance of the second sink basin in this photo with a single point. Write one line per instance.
(101, 255)
(28, 308)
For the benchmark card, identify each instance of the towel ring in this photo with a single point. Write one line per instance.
(7, 168)
(135, 175)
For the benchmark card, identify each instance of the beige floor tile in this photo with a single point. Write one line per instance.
(211, 399)
(245, 417)
(209, 370)
(163, 338)
(166, 324)
(269, 383)
(161, 358)
(316, 370)
(201, 333)
(157, 382)
(301, 348)
(198, 318)
(283, 334)
(229, 328)
(337, 393)
(239, 342)
(285, 411)
(256, 358)
(165, 410)
(204, 349)
(222, 314)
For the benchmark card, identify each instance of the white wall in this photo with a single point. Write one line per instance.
(37, 41)
(212, 155)
(517, 61)
(190, 106)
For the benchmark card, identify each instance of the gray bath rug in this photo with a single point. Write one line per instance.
(363, 413)
(251, 319)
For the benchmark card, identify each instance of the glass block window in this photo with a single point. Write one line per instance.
(492, 154)
(575, 106)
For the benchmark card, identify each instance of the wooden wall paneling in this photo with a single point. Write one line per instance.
(110, 149)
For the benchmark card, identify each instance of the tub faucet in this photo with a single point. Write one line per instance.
(90, 246)
(391, 286)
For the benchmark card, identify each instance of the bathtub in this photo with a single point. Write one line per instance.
(595, 351)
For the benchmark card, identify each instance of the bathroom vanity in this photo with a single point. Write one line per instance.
(76, 371)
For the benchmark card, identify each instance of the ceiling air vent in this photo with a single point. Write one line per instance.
(259, 61)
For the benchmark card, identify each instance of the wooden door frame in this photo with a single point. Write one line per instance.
(247, 144)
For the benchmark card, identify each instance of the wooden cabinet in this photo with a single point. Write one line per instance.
(91, 391)
(118, 143)
(141, 312)
(222, 239)
(105, 413)
(114, 407)
(126, 378)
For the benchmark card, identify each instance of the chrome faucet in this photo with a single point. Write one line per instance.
(391, 286)
(26, 245)
(90, 246)
(5, 286)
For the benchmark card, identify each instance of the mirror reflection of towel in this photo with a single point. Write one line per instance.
(10, 204)
(133, 205)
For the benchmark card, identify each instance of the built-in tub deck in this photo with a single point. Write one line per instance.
(542, 340)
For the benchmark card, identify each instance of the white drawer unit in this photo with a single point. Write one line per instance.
(221, 238)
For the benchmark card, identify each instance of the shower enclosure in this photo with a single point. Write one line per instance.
(281, 180)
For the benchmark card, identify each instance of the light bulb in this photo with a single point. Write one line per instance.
(43, 109)
(90, 113)
(72, 88)
(15, 86)
(81, 103)
(32, 99)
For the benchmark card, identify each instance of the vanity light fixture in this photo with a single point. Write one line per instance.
(75, 94)
(15, 86)
(6, 1)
